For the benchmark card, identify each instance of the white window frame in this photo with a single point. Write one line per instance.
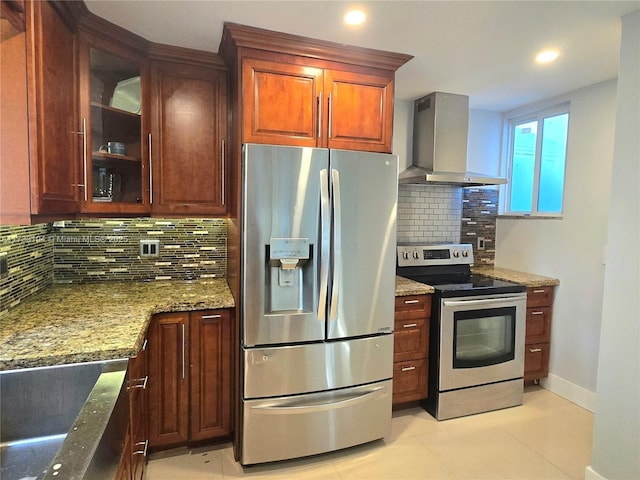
(509, 125)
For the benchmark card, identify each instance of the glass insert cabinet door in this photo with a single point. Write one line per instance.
(114, 149)
(484, 337)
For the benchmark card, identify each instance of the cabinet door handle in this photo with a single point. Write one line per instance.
(329, 134)
(183, 351)
(140, 383)
(83, 132)
(150, 172)
(409, 302)
(539, 291)
(142, 452)
(410, 367)
(320, 115)
(409, 325)
(204, 317)
(144, 344)
(222, 167)
(537, 313)
(535, 350)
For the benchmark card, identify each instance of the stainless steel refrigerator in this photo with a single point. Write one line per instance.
(318, 279)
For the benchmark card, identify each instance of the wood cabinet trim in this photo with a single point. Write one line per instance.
(189, 56)
(236, 36)
(112, 34)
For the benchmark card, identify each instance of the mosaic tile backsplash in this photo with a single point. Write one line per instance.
(479, 213)
(29, 254)
(109, 249)
(429, 213)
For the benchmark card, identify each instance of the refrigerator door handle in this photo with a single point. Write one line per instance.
(310, 406)
(337, 243)
(325, 230)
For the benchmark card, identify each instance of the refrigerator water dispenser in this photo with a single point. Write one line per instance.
(288, 259)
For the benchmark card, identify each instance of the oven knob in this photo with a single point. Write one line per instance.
(415, 255)
(405, 255)
(465, 253)
(456, 253)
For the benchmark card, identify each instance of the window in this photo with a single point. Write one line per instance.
(536, 162)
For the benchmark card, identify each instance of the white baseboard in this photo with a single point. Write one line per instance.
(591, 474)
(572, 392)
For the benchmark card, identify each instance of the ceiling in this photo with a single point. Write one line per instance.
(483, 49)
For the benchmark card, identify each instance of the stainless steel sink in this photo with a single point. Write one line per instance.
(67, 420)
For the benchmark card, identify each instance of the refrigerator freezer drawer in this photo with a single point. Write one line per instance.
(290, 370)
(296, 426)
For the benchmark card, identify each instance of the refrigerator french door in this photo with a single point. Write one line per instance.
(317, 305)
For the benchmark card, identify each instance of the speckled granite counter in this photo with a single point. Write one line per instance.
(523, 278)
(404, 286)
(96, 321)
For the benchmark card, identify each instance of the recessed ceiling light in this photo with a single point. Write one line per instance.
(355, 17)
(547, 56)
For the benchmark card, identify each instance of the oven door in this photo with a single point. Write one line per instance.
(481, 340)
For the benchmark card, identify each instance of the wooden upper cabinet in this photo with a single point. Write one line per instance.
(281, 103)
(360, 111)
(293, 90)
(13, 12)
(287, 104)
(113, 85)
(54, 143)
(188, 140)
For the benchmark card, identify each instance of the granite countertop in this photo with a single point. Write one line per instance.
(404, 287)
(523, 278)
(97, 321)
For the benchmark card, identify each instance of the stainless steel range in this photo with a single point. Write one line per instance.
(476, 350)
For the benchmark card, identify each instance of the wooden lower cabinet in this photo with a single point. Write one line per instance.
(210, 375)
(138, 399)
(134, 453)
(189, 377)
(411, 348)
(410, 380)
(536, 361)
(538, 332)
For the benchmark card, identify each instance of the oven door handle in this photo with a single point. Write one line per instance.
(482, 301)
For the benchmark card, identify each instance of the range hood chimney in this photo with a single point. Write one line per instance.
(440, 130)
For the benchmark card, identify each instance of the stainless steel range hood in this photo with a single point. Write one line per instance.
(440, 127)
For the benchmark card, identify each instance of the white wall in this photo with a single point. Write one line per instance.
(485, 142)
(616, 442)
(571, 248)
(403, 132)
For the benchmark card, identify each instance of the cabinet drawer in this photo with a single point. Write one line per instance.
(410, 339)
(413, 306)
(536, 361)
(410, 380)
(538, 325)
(539, 296)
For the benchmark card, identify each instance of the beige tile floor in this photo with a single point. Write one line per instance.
(547, 437)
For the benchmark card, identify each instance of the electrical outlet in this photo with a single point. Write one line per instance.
(481, 243)
(4, 265)
(149, 248)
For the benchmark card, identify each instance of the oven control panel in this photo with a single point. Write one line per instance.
(426, 255)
